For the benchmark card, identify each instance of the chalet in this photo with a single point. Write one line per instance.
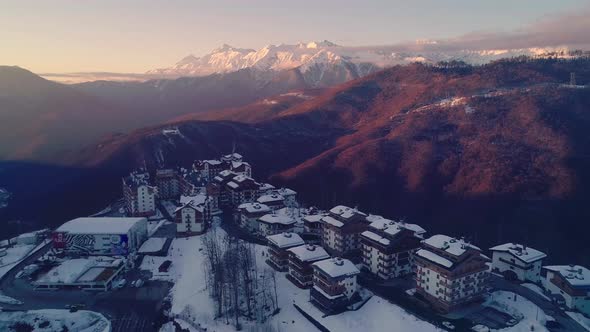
(300, 260)
(341, 230)
(273, 201)
(570, 284)
(334, 284)
(139, 195)
(277, 249)
(388, 247)
(450, 272)
(248, 213)
(241, 189)
(517, 262)
(193, 216)
(273, 223)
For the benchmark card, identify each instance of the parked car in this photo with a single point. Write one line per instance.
(121, 283)
(138, 283)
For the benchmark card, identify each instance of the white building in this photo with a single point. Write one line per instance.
(248, 214)
(570, 283)
(517, 262)
(301, 259)
(277, 249)
(272, 200)
(388, 247)
(334, 284)
(139, 195)
(450, 272)
(101, 236)
(193, 216)
(272, 223)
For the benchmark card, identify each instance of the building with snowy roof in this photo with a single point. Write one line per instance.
(450, 272)
(274, 223)
(569, 283)
(139, 195)
(272, 200)
(193, 216)
(341, 230)
(517, 262)
(301, 259)
(334, 284)
(289, 195)
(277, 249)
(388, 247)
(247, 215)
(241, 189)
(312, 223)
(101, 236)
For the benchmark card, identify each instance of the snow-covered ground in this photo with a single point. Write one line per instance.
(529, 314)
(536, 289)
(191, 301)
(69, 270)
(153, 226)
(14, 255)
(9, 300)
(581, 319)
(55, 320)
(170, 207)
(153, 244)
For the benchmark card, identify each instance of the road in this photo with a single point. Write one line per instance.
(565, 322)
(129, 309)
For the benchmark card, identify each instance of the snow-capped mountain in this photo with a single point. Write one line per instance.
(325, 63)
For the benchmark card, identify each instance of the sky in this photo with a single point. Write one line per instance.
(133, 36)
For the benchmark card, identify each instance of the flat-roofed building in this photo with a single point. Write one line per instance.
(570, 284)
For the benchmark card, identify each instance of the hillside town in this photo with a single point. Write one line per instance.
(203, 228)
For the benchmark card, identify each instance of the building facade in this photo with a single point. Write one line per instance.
(139, 195)
(334, 284)
(450, 272)
(517, 262)
(301, 259)
(277, 249)
(388, 248)
(248, 213)
(341, 230)
(570, 284)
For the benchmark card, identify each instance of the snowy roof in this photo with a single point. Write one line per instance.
(285, 240)
(525, 254)
(266, 186)
(226, 173)
(195, 200)
(238, 164)
(429, 255)
(309, 253)
(254, 207)
(332, 221)
(376, 237)
(345, 211)
(576, 275)
(233, 184)
(102, 225)
(393, 227)
(276, 219)
(270, 198)
(337, 267)
(455, 247)
(137, 179)
(286, 192)
(312, 218)
(212, 162)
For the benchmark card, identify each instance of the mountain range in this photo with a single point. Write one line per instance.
(489, 151)
(325, 63)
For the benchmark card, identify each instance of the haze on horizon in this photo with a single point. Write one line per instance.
(134, 36)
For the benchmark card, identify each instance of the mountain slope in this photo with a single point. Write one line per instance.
(39, 117)
(487, 151)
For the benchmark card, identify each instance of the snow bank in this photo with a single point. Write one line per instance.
(581, 319)
(529, 314)
(56, 320)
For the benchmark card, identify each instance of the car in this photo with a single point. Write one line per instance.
(138, 283)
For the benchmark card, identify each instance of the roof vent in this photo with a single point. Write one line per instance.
(570, 276)
(310, 247)
(287, 235)
(338, 261)
(392, 222)
(580, 271)
(453, 240)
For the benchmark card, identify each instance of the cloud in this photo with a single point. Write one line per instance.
(568, 29)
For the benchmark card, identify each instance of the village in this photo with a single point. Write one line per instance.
(213, 249)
